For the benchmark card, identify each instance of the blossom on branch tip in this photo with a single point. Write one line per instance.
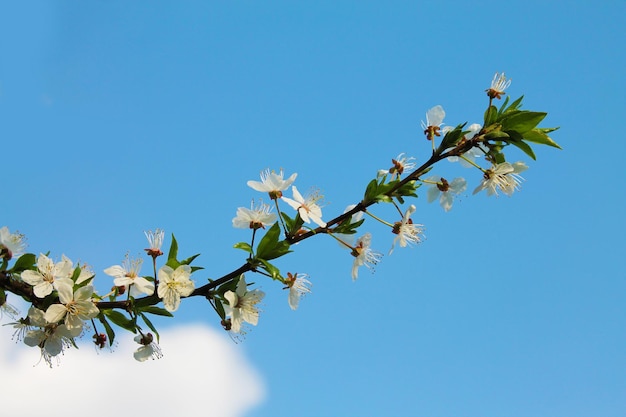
(242, 305)
(272, 183)
(155, 241)
(11, 244)
(401, 164)
(364, 255)
(127, 275)
(44, 279)
(434, 120)
(74, 307)
(149, 349)
(444, 190)
(298, 286)
(174, 284)
(498, 85)
(406, 231)
(254, 217)
(504, 176)
(308, 208)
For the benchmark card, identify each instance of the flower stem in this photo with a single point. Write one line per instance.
(378, 218)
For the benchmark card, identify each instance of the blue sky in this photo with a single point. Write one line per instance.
(119, 117)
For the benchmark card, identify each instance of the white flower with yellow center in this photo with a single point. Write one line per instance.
(74, 307)
(43, 280)
(127, 275)
(174, 284)
(242, 305)
(307, 208)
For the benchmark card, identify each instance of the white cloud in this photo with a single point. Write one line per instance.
(202, 373)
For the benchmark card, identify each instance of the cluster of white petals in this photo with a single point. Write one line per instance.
(52, 339)
(299, 286)
(407, 232)
(401, 164)
(307, 208)
(127, 275)
(272, 183)
(445, 191)
(254, 217)
(499, 83)
(364, 255)
(504, 176)
(174, 284)
(242, 305)
(74, 307)
(155, 241)
(44, 279)
(148, 349)
(11, 244)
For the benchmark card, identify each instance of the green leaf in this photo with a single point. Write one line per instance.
(496, 135)
(371, 192)
(243, 246)
(173, 251)
(156, 311)
(270, 247)
(121, 320)
(513, 107)
(524, 147)
(107, 328)
(523, 121)
(150, 325)
(490, 115)
(271, 269)
(24, 262)
(189, 260)
(451, 138)
(540, 136)
(219, 307)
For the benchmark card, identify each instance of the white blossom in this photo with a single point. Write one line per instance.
(299, 286)
(401, 164)
(504, 176)
(43, 280)
(364, 255)
(434, 120)
(74, 306)
(52, 339)
(11, 244)
(444, 190)
(127, 274)
(272, 183)
(307, 207)
(407, 232)
(173, 284)
(148, 349)
(498, 85)
(155, 241)
(242, 305)
(254, 217)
